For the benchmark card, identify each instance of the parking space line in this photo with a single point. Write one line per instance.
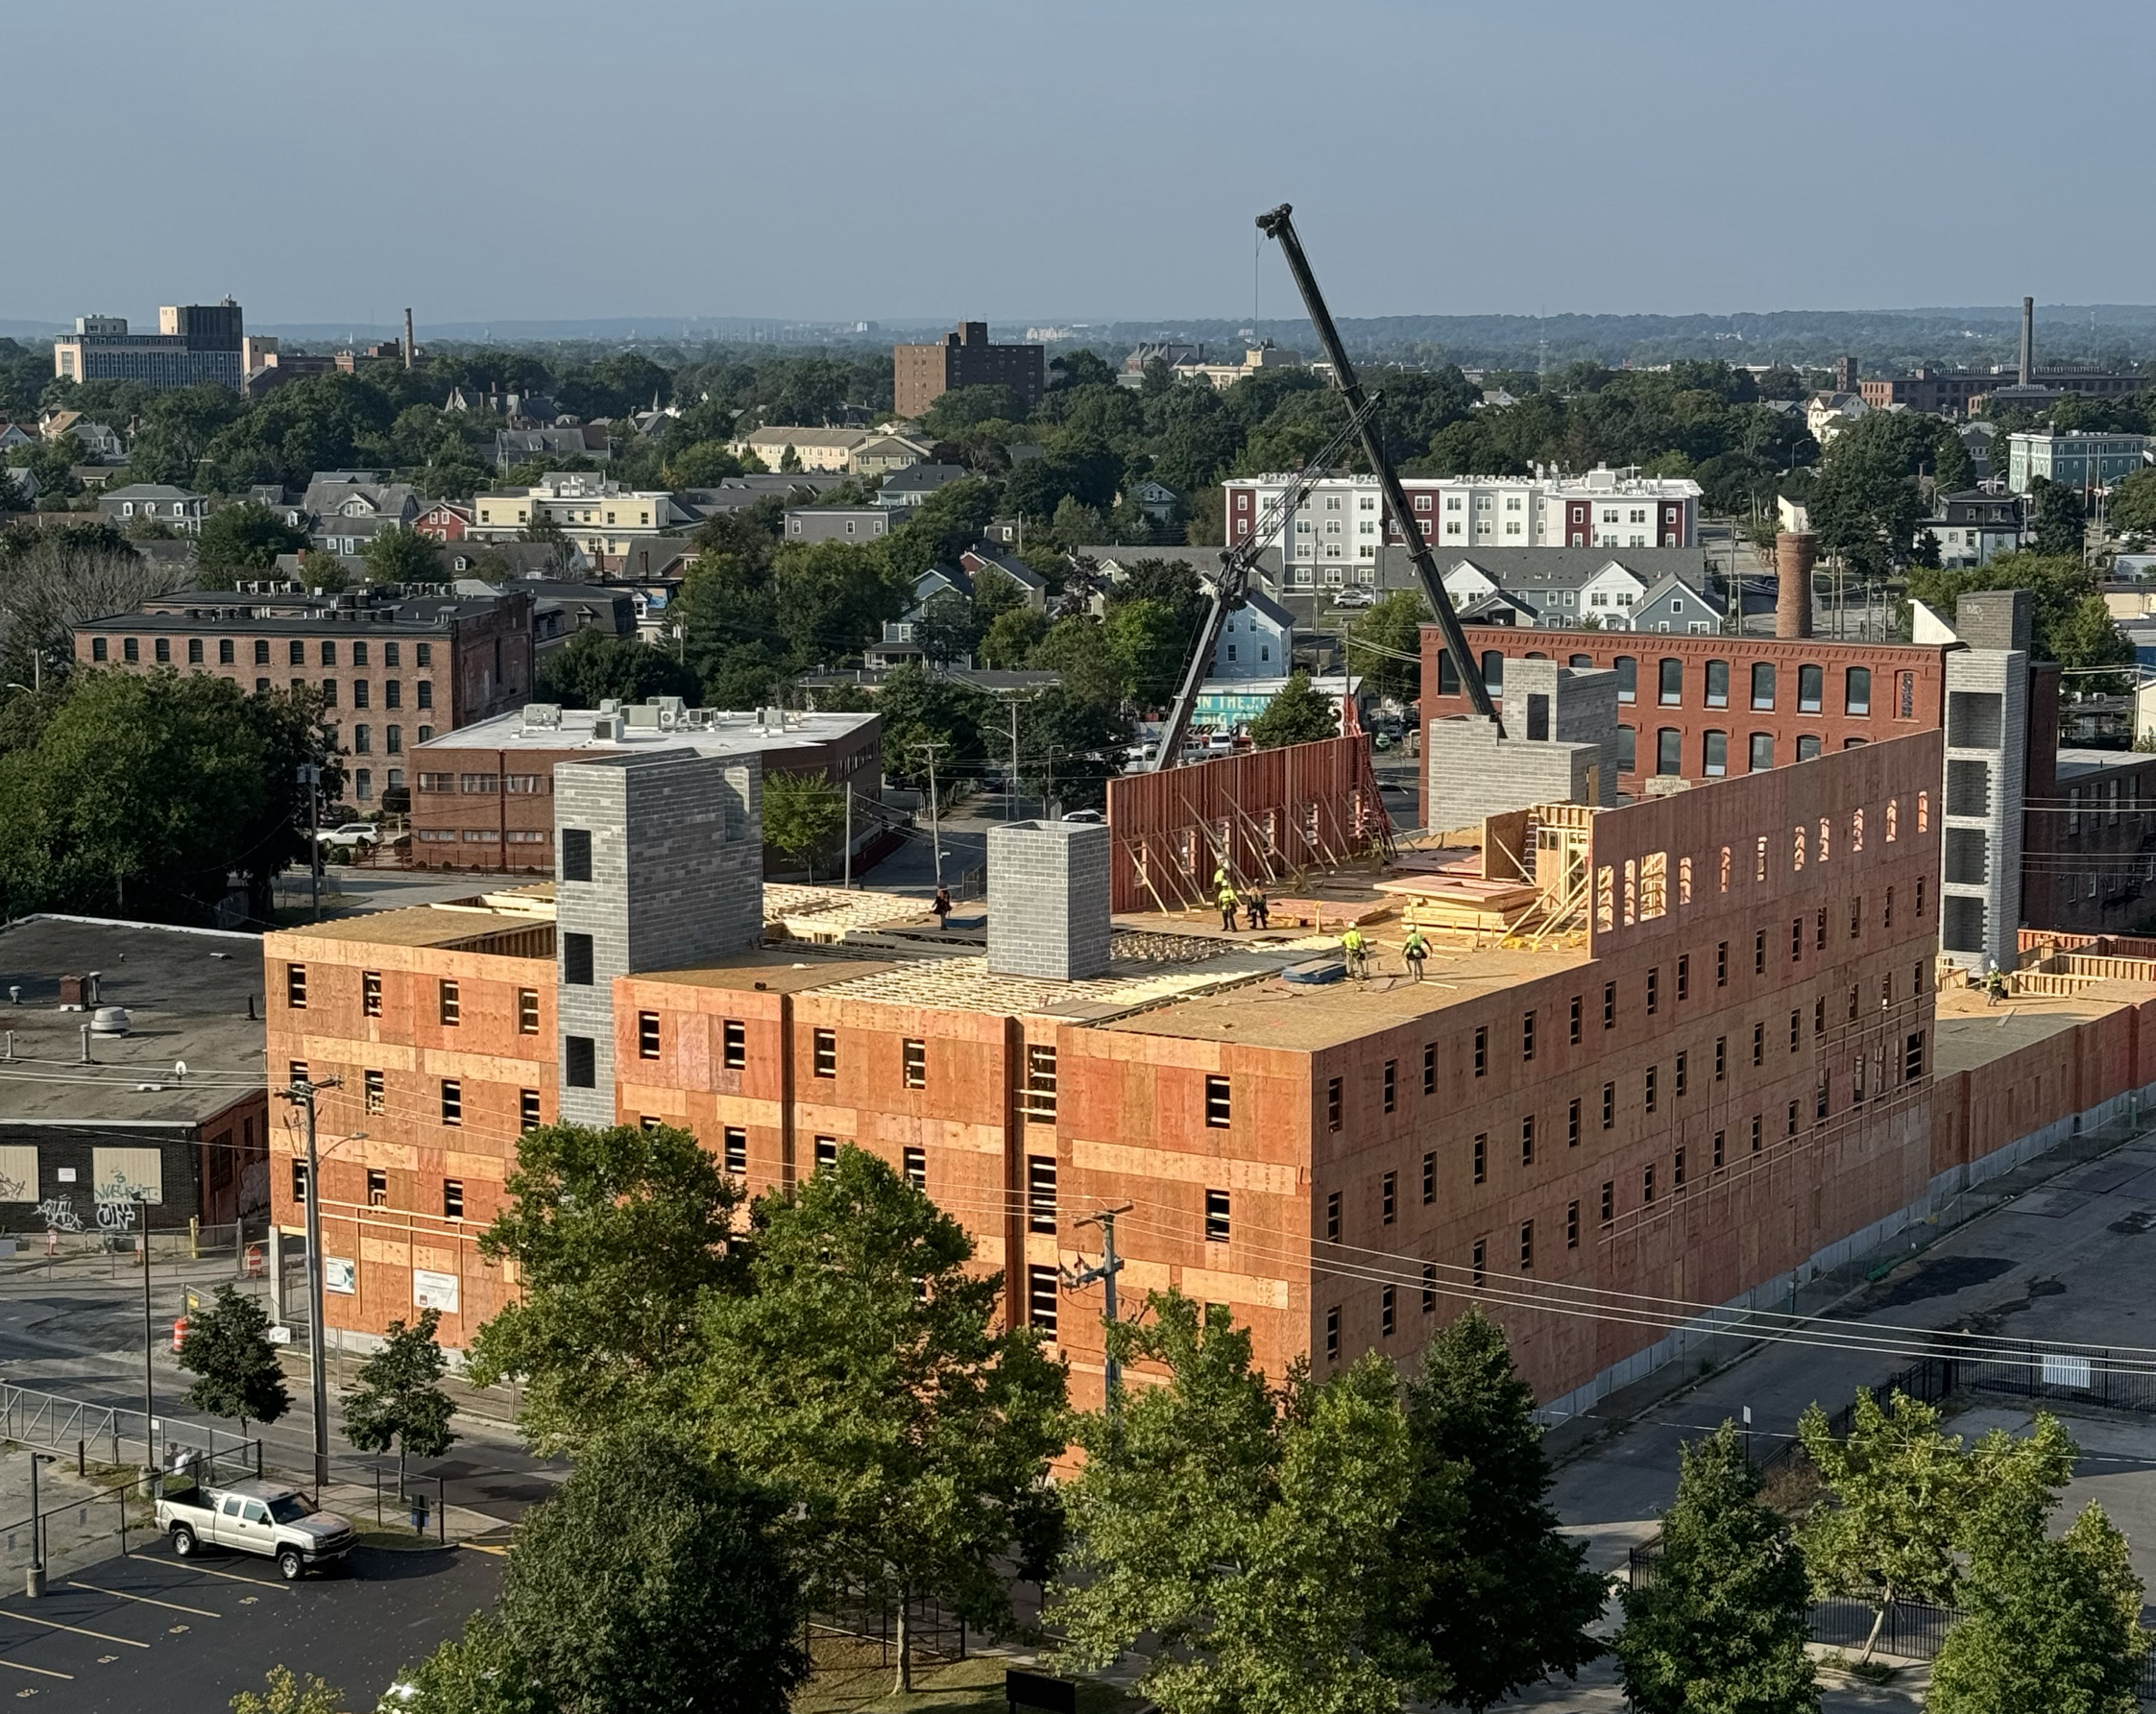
(43, 1672)
(230, 1575)
(147, 1600)
(103, 1636)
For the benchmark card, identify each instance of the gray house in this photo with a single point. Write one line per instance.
(836, 524)
(1256, 642)
(156, 501)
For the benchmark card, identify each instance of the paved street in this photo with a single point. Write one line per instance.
(147, 1632)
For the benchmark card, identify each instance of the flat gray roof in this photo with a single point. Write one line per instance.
(186, 994)
(729, 733)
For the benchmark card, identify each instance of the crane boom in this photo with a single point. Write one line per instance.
(1231, 583)
(1277, 226)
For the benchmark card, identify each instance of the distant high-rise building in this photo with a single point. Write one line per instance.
(196, 345)
(922, 374)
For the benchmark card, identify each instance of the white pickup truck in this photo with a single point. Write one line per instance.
(255, 1518)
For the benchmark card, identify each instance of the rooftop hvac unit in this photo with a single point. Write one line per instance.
(771, 719)
(543, 717)
(607, 729)
(609, 704)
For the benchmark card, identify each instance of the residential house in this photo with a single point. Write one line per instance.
(446, 520)
(599, 515)
(836, 524)
(1974, 524)
(905, 489)
(100, 444)
(1031, 583)
(1826, 414)
(334, 495)
(1681, 606)
(730, 493)
(513, 447)
(1156, 500)
(1256, 641)
(803, 448)
(885, 453)
(1567, 586)
(155, 501)
(13, 435)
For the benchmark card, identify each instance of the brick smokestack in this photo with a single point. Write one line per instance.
(407, 338)
(1794, 556)
(2028, 341)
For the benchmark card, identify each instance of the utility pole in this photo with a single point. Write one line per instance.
(149, 1346)
(1014, 759)
(848, 883)
(302, 1094)
(310, 776)
(1112, 1265)
(935, 812)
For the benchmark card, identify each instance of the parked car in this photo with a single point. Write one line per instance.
(255, 1518)
(1354, 599)
(350, 836)
(1087, 815)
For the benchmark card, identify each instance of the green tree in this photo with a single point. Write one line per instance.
(1376, 639)
(1246, 1531)
(1010, 640)
(398, 1398)
(143, 792)
(702, 465)
(2047, 1627)
(2070, 623)
(2132, 511)
(919, 710)
(404, 556)
(947, 628)
(1297, 715)
(2058, 518)
(866, 1377)
(619, 1236)
(1491, 1597)
(236, 1372)
(804, 815)
(1151, 649)
(243, 540)
(1895, 1487)
(1721, 1629)
(1069, 748)
(1080, 648)
(594, 665)
(652, 1582)
(285, 1694)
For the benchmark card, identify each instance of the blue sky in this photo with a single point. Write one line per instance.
(826, 158)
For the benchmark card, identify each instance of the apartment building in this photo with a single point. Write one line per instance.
(596, 515)
(393, 668)
(2077, 458)
(1337, 533)
(922, 374)
(196, 345)
(1717, 1075)
(483, 795)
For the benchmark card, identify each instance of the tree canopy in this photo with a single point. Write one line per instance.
(1298, 715)
(2071, 624)
(594, 665)
(236, 1372)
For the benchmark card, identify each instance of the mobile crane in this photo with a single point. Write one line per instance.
(1232, 581)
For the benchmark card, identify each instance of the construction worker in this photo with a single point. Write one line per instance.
(1228, 905)
(1995, 985)
(941, 905)
(1256, 909)
(1415, 949)
(1357, 951)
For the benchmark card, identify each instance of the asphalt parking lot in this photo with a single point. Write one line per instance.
(147, 1634)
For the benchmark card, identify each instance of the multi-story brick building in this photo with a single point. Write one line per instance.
(392, 667)
(922, 374)
(196, 345)
(1337, 533)
(1718, 1076)
(1701, 707)
(483, 796)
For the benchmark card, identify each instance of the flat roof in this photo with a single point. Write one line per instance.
(1968, 1033)
(730, 733)
(443, 923)
(187, 993)
(2074, 765)
(1309, 1017)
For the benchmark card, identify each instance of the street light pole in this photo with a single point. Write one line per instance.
(34, 1585)
(149, 1347)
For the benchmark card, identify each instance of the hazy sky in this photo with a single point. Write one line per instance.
(827, 158)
